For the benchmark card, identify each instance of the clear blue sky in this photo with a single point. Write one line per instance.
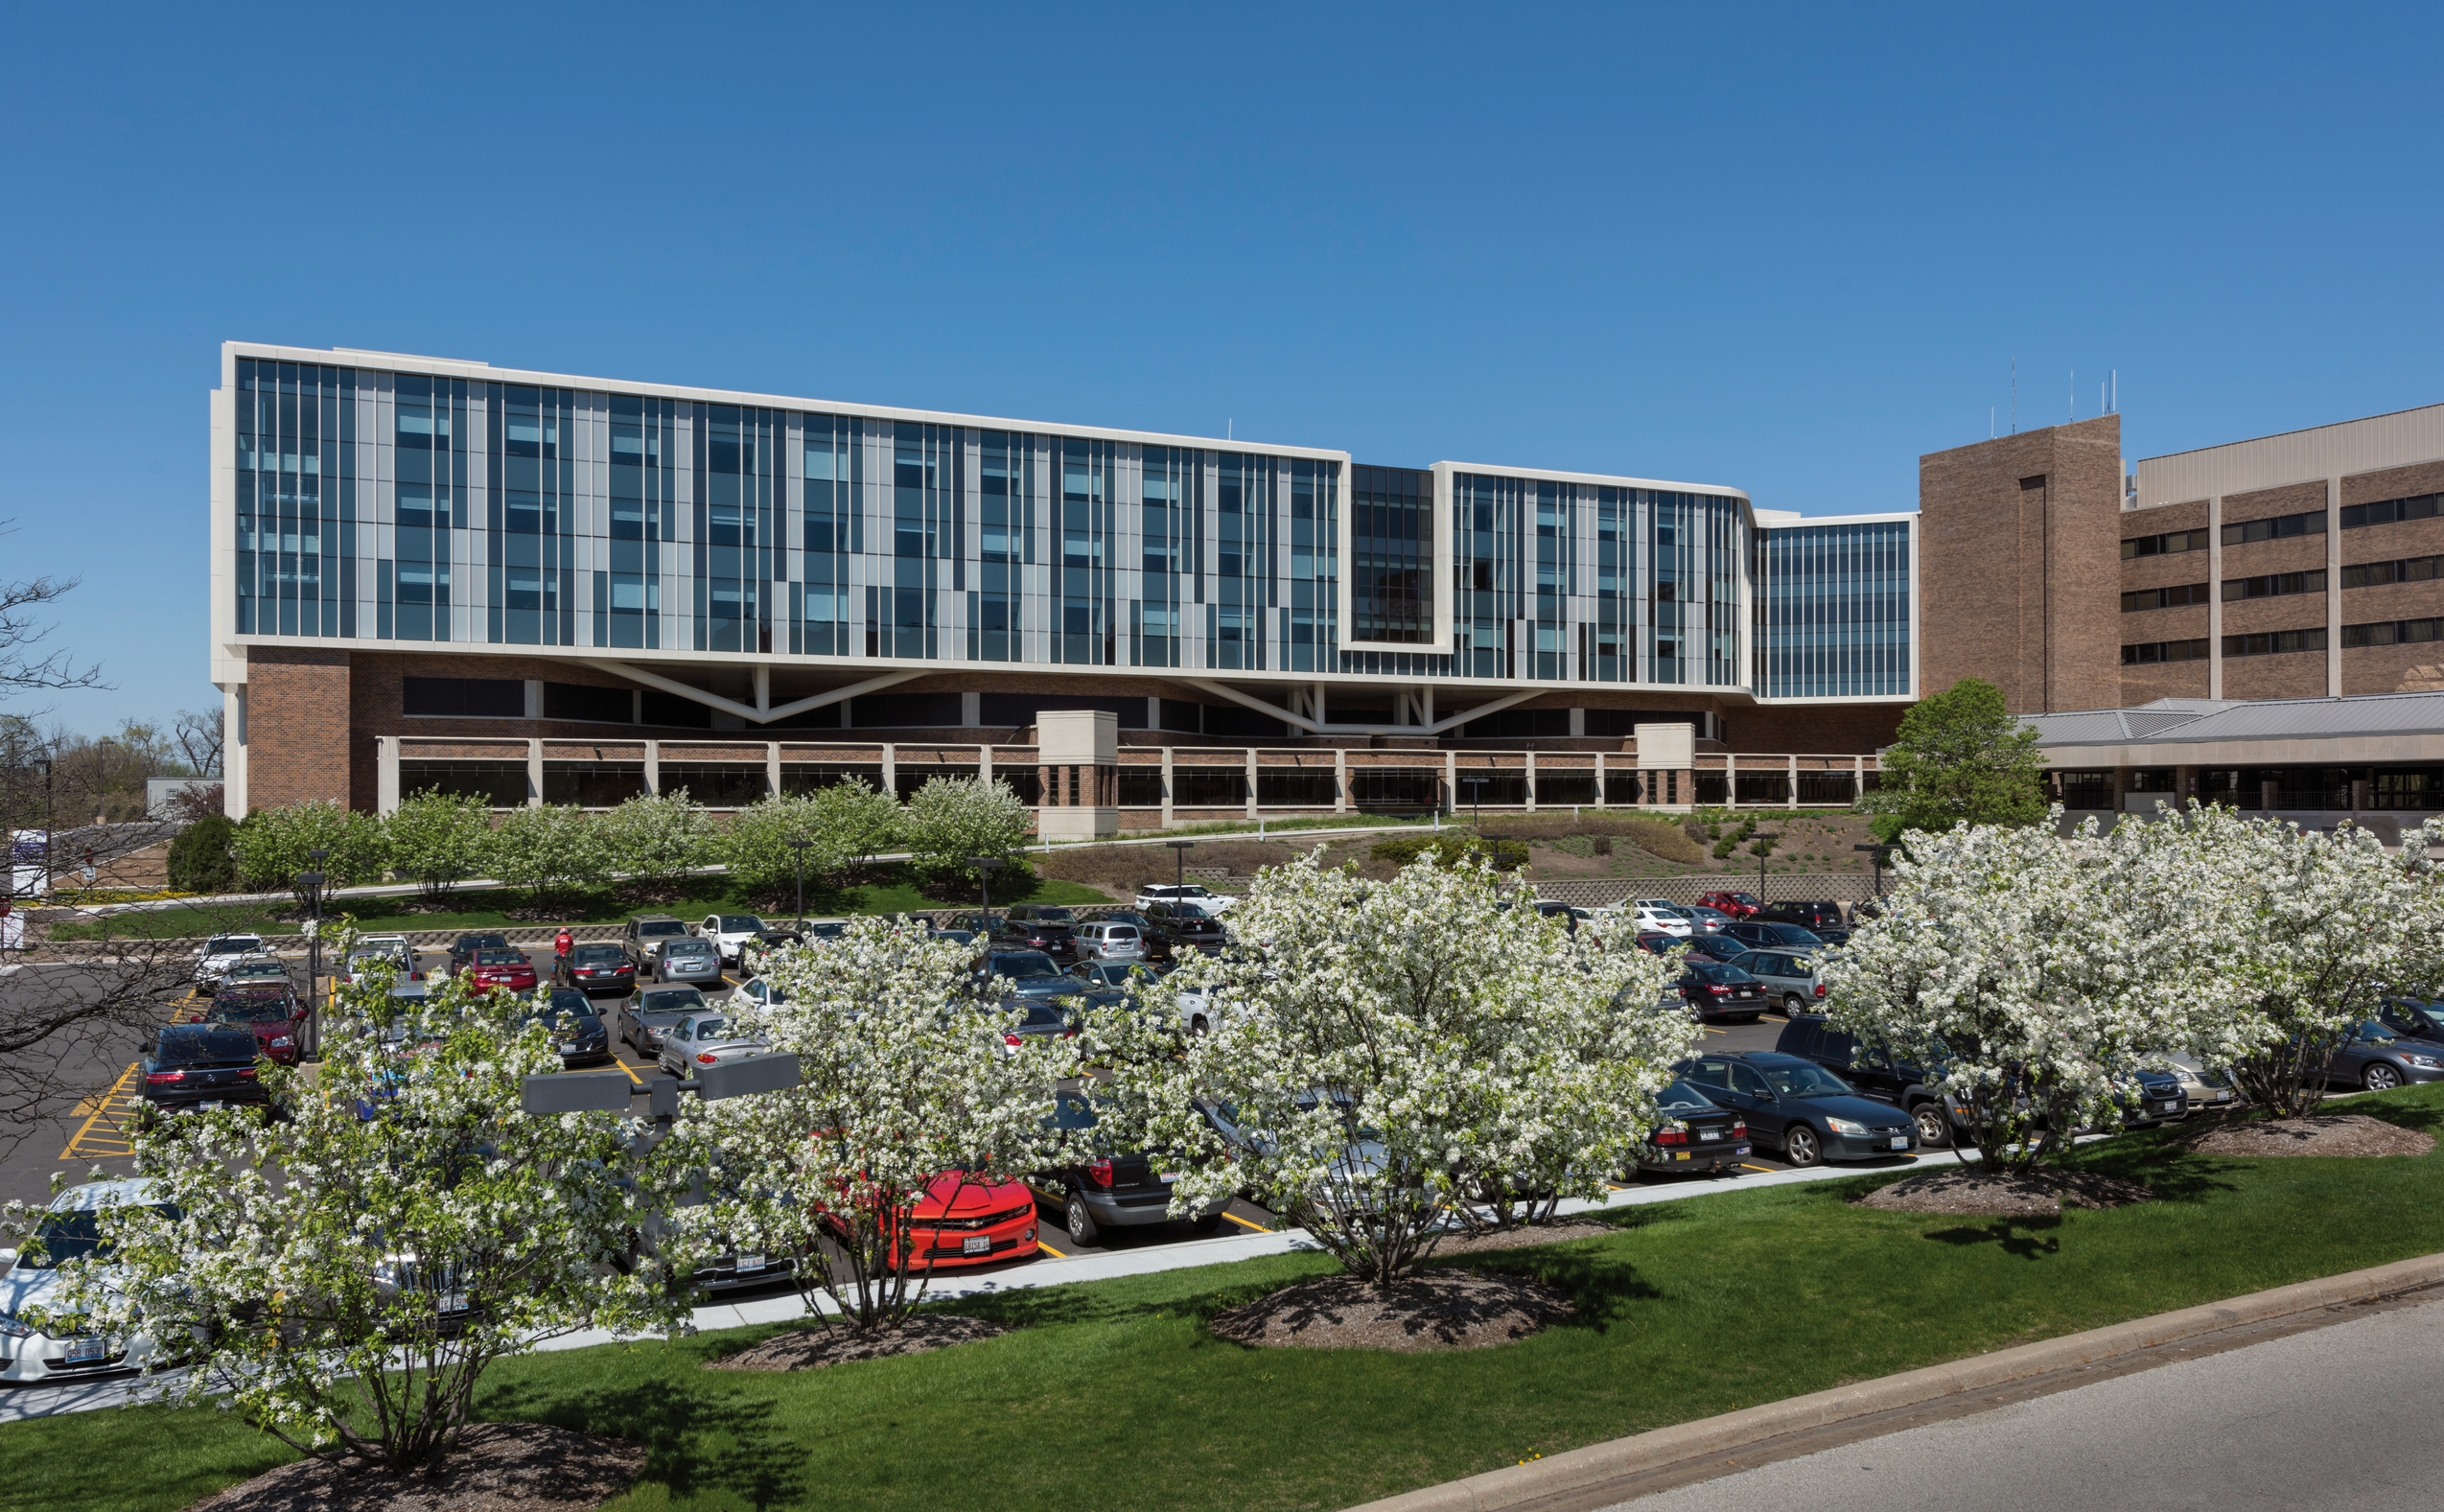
(1782, 248)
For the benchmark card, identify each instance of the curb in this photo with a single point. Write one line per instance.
(1589, 1468)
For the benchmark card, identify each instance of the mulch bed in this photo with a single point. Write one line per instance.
(497, 1467)
(2317, 1135)
(813, 1348)
(1971, 1191)
(1441, 1310)
(1517, 1239)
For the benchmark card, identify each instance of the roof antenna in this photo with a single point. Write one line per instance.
(2117, 390)
(2015, 396)
(2074, 393)
(1989, 422)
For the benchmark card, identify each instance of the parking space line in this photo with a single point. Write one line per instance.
(1050, 1250)
(1745, 1166)
(84, 1143)
(1243, 1223)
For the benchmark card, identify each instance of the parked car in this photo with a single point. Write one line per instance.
(265, 972)
(1112, 976)
(273, 1014)
(1116, 1189)
(1215, 904)
(1100, 940)
(656, 1011)
(645, 934)
(1905, 1076)
(704, 1039)
(1714, 989)
(1654, 941)
(2146, 1098)
(1790, 977)
(1037, 926)
(732, 933)
(601, 967)
(1569, 916)
(2206, 1091)
(502, 967)
(462, 950)
(1716, 947)
(1696, 1134)
(1043, 1018)
(1024, 974)
(2376, 1059)
(216, 955)
(1812, 1114)
(1708, 921)
(1816, 914)
(962, 1221)
(377, 950)
(1651, 921)
(1736, 905)
(685, 959)
(191, 1067)
(1768, 936)
(68, 1232)
(2413, 1017)
(578, 1032)
(1865, 909)
(1191, 924)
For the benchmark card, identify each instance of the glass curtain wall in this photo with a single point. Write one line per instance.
(1833, 611)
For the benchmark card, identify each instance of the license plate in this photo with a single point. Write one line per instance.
(2166, 1107)
(1168, 1177)
(209, 1108)
(1901, 1142)
(1679, 1154)
(2223, 1097)
(568, 1049)
(749, 1263)
(976, 1244)
(453, 1301)
(85, 1351)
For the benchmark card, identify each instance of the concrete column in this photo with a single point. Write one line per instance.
(1790, 798)
(1251, 781)
(2215, 595)
(1600, 801)
(1167, 750)
(1451, 781)
(1531, 781)
(2266, 797)
(386, 782)
(891, 769)
(2358, 794)
(1340, 781)
(1857, 778)
(2332, 586)
(985, 764)
(772, 768)
(653, 766)
(534, 773)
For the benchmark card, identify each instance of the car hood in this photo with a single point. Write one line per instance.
(948, 1195)
(33, 1287)
(1857, 1109)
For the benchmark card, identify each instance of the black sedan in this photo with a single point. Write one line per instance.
(1189, 924)
(2376, 1059)
(1025, 973)
(597, 969)
(1769, 936)
(1031, 926)
(197, 1068)
(577, 1032)
(1695, 1134)
(1714, 989)
(1797, 1104)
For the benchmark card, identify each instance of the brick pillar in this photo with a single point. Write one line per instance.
(297, 724)
(1046, 797)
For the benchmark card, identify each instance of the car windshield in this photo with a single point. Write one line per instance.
(234, 946)
(1707, 916)
(1706, 970)
(264, 1009)
(499, 957)
(1025, 966)
(1792, 936)
(830, 930)
(1805, 1080)
(2431, 1012)
(1189, 911)
(652, 927)
(1040, 1015)
(217, 1044)
(709, 1028)
(687, 946)
(739, 924)
(1681, 1098)
(258, 968)
(592, 953)
(1054, 916)
(671, 1000)
(482, 941)
(63, 1237)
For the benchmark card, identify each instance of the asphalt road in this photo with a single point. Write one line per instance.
(2332, 1418)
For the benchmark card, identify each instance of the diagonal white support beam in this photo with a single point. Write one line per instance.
(1256, 703)
(1494, 707)
(1317, 726)
(752, 714)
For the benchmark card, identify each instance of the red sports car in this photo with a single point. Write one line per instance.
(509, 968)
(961, 1220)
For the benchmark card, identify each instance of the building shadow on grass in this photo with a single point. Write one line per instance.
(696, 1437)
(2027, 1238)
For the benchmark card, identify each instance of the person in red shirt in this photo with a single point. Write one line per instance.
(560, 944)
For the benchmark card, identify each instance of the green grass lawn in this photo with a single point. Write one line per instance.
(894, 894)
(1114, 1395)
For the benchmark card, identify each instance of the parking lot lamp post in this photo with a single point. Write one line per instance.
(309, 883)
(986, 866)
(798, 849)
(1876, 854)
(1765, 848)
(1475, 786)
(1179, 849)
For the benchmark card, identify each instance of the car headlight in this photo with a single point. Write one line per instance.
(12, 1327)
(1843, 1125)
(277, 1040)
(2425, 1062)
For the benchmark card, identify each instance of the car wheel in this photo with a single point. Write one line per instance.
(1198, 1025)
(2380, 1077)
(1792, 1007)
(1080, 1222)
(1799, 1146)
(1934, 1125)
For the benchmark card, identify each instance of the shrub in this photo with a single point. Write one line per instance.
(200, 859)
(271, 845)
(656, 839)
(439, 839)
(552, 849)
(1449, 849)
(950, 820)
(1602, 845)
(858, 821)
(757, 842)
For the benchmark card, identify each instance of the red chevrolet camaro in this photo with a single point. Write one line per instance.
(962, 1221)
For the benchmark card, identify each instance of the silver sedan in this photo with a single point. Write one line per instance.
(704, 1039)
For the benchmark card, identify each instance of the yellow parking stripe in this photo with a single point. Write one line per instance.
(1243, 1223)
(1745, 1166)
(1050, 1250)
(114, 1104)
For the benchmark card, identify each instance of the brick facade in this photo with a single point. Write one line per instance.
(298, 709)
(2019, 538)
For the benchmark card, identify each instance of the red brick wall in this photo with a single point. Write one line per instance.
(297, 735)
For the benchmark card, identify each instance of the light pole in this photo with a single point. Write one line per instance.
(1764, 847)
(1475, 803)
(798, 849)
(309, 883)
(1876, 854)
(1179, 849)
(986, 866)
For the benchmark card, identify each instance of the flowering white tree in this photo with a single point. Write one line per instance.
(353, 1266)
(1388, 1059)
(2325, 926)
(439, 839)
(950, 820)
(546, 849)
(912, 1091)
(656, 839)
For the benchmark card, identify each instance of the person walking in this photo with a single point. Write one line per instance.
(561, 944)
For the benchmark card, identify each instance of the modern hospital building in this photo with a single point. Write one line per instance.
(553, 589)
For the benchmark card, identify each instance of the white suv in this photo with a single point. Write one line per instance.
(369, 949)
(216, 955)
(1214, 903)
